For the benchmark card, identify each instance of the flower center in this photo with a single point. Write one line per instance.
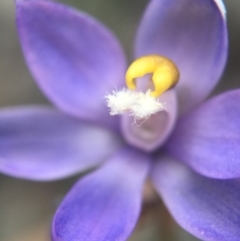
(141, 105)
(149, 110)
(164, 72)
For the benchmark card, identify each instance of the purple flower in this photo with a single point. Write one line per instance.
(193, 163)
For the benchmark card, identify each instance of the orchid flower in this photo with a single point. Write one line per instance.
(190, 150)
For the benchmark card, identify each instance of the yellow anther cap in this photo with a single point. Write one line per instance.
(164, 72)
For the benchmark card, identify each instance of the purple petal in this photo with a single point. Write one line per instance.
(42, 144)
(106, 204)
(207, 208)
(74, 58)
(194, 35)
(208, 139)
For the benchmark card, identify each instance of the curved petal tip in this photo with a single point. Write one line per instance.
(208, 138)
(193, 34)
(221, 7)
(43, 144)
(207, 208)
(104, 205)
(74, 58)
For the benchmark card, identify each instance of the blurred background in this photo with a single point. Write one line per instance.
(26, 208)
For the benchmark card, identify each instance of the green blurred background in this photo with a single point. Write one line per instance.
(26, 208)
